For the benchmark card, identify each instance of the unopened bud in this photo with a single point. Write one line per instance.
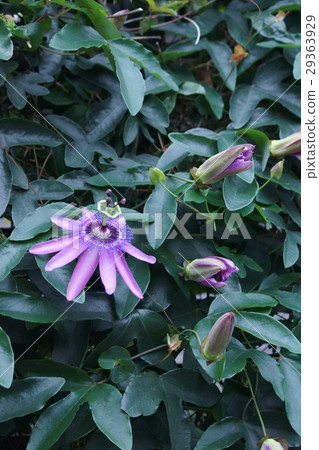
(214, 345)
(156, 175)
(276, 171)
(229, 162)
(289, 146)
(271, 444)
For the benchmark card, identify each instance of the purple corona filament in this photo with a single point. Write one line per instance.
(96, 241)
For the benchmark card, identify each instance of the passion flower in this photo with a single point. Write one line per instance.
(99, 238)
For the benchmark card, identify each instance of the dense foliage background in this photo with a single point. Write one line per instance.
(92, 101)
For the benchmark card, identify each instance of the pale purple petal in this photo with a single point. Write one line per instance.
(133, 251)
(83, 271)
(65, 256)
(64, 222)
(108, 271)
(126, 274)
(87, 215)
(53, 246)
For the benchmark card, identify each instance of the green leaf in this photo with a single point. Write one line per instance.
(266, 84)
(221, 434)
(5, 181)
(105, 404)
(230, 301)
(275, 281)
(145, 392)
(269, 370)
(74, 36)
(27, 396)
(125, 301)
(297, 66)
(237, 193)
(24, 132)
(55, 420)
(220, 54)
(25, 202)
(154, 112)
(108, 359)
(11, 254)
(6, 45)
(142, 395)
(37, 221)
(194, 144)
(267, 329)
(130, 130)
(74, 377)
(288, 299)
(291, 250)
(290, 368)
(138, 53)
(6, 362)
(119, 177)
(129, 75)
(24, 307)
(161, 206)
(99, 18)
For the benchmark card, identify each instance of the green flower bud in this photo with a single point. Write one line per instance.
(290, 146)
(156, 175)
(214, 345)
(276, 171)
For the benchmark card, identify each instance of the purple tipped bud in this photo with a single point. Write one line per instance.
(290, 146)
(108, 201)
(122, 202)
(211, 271)
(231, 161)
(109, 192)
(214, 345)
(276, 171)
(271, 444)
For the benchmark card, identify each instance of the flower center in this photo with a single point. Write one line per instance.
(106, 233)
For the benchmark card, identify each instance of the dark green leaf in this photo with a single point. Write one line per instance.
(24, 132)
(5, 181)
(55, 420)
(105, 403)
(267, 329)
(6, 362)
(27, 396)
(74, 36)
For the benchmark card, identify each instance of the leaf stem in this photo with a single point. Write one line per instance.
(256, 404)
(179, 200)
(148, 351)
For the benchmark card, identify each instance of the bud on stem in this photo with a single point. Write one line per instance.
(214, 345)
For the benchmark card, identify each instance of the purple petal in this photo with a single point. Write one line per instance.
(83, 271)
(52, 246)
(65, 256)
(133, 251)
(64, 222)
(126, 274)
(212, 283)
(108, 271)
